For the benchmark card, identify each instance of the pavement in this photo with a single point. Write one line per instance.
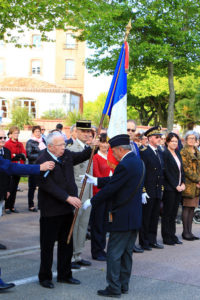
(168, 274)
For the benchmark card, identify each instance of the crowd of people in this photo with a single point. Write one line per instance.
(155, 173)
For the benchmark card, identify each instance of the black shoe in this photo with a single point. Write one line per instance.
(157, 246)
(47, 284)
(7, 211)
(84, 263)
(5, 286)
(14, 210)
(124, 291)
(2, 247)
(70, 280)
(148, 248)
(107, 293)
(33, 209)
(178, 242)
(170, 243)
(75, 266)
(100, 258)
(137, 249)
(189, 238)
(88, 236)
(195, 237)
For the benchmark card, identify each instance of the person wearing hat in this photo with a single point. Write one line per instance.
(153, 184)
(123, 192)
(83, 130)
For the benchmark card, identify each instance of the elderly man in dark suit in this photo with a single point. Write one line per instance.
(57, 198)
(123, 191)
(153, 184)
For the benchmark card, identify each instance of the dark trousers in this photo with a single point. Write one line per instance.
(10, 202)
(98, 230)
(171, 200)
(150, 217)
(119, 260)
(31, 190)
(55, 229)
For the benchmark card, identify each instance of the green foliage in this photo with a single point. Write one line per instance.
(93, 110)
(72, 117)
(21, 117)
(187, 111)
(54, 114)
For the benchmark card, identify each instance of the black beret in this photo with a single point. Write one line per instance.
(118, 140)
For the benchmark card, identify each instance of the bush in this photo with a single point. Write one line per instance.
(54, 114)
(72, 117)
(21, 117)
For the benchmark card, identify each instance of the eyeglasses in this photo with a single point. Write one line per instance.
(133, 130)
(42, 129)
(2, 138)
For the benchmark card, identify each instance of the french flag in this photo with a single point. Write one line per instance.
(116, 101)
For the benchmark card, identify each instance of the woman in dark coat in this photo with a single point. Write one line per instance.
(174, 180)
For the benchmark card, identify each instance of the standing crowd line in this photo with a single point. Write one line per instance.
(154, 174)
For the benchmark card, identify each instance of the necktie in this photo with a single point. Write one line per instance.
(157, 154)
(59, 160)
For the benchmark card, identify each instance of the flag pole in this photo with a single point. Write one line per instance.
(128, 28)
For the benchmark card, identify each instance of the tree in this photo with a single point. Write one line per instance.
(46, 15)
(148, 94)
(187, 111)
(165, 36)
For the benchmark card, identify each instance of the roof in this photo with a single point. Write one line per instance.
(32, 85)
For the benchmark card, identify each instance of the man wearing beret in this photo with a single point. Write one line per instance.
(152, 158)
(123, 191)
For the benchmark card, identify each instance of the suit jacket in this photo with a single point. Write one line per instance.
(171, 170)
(117, 189)
(60, 183)
(154, 172)
(80, 169)
(18, 169)
(5, 178)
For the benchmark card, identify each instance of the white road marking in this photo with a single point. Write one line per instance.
(35, 278)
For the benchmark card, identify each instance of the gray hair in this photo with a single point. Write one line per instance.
(132, 121)
(126, 147)
(72, 127)
(51, 136)
(191, 132)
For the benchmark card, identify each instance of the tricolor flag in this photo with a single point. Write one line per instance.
(116, 101)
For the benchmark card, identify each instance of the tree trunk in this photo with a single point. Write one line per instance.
(170, 118)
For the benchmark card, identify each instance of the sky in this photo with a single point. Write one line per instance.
(95, 85)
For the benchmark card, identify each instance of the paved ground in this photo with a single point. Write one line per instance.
(172, 273)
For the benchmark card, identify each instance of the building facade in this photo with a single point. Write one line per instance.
(42, 75)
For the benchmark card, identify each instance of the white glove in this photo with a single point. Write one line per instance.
(90, 179)
(86, 204)
(145, 196)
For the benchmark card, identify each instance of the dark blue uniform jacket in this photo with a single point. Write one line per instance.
(117, 189)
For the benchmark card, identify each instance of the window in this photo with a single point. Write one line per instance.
(74, 102)
(4, 107)
(30, 104)
(1, 66)
(37, 40)
(36, 67)
(70, 41)
(69, 68)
